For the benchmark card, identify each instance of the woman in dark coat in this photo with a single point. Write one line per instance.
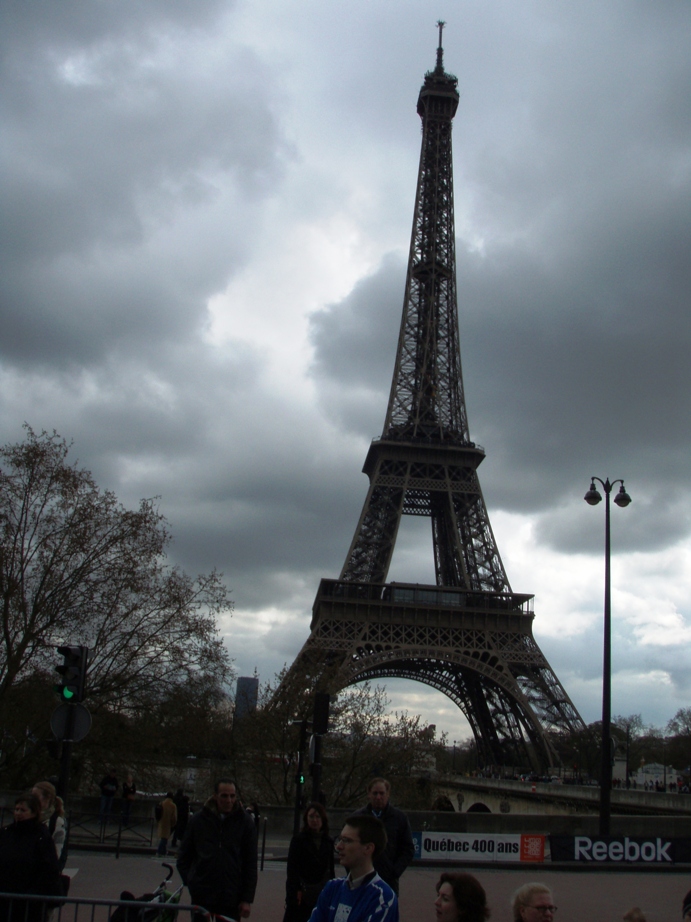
(310, 864)
(28, 862)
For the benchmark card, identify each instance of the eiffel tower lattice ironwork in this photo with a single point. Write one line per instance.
(469, 635)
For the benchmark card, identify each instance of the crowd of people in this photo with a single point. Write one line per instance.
(374, 848)
(680, 786)
(217, 861)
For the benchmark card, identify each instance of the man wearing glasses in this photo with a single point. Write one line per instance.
(533, 903)
(362, 896)
(218, 855)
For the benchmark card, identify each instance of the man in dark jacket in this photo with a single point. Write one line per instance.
(400, 850)
(218, 855)
(109, 788)
(182, 802)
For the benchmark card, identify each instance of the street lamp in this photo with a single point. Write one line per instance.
(622, 498)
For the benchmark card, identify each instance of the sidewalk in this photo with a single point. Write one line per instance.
(582, 896)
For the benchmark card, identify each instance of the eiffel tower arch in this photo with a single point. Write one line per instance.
(468, 635)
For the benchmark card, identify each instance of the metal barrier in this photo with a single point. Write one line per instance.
(89, 829)
(93, 829)
(21, 907)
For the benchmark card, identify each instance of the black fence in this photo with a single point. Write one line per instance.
(113, 831)
(164, 907)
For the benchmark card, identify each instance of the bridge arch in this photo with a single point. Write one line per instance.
(478, 807)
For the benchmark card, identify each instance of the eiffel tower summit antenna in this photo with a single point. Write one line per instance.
(440, 49)
(468, 635)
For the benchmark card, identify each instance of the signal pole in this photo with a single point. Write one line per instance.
(71, 721)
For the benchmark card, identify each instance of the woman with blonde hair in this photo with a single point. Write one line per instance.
(52, 814)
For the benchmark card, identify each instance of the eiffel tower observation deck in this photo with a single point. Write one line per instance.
(468, 635)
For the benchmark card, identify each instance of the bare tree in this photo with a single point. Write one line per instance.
(78, 567)
(680, 727)
(627, 732)
(364, 740)
(680, 724)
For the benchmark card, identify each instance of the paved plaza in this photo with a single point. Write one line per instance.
(582, 896)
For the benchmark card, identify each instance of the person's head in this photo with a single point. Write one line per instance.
(378, 793)
(169, 795)
(362, 839)
(225, 795)
(26, 807)
(314, 819)
(633, 915)
(460, 898)
(46, 793)
(533, 903)
(686, 908)
(50, 802)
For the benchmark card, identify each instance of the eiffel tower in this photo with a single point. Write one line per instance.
(469, 635)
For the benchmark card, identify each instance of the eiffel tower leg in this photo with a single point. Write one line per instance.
(502, 722)
(370, 553)
(449, 564)
(523, 740)
(486, 735)
(483, 562)
(465, 552)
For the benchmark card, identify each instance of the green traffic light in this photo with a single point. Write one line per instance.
(64, 692)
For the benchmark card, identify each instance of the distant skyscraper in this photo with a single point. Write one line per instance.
(246, 695)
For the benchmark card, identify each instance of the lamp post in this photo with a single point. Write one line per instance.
(622, 498)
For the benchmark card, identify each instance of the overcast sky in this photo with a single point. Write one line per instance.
(206, 217)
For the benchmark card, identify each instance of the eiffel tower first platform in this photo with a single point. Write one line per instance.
(469, 635)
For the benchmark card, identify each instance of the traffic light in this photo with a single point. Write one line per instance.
(73, 672)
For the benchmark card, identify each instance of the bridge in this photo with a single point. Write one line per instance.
(487, 795)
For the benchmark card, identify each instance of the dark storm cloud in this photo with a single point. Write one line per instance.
(115, 156)
(355, 349)
(71, 22)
